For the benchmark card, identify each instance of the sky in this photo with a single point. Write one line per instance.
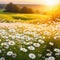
(23, 1)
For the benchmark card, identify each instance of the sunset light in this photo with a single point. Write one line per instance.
(50, 2)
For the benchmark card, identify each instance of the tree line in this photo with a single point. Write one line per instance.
(16, 9)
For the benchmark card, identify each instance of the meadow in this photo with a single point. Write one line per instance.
(29, 37)
(27, 18)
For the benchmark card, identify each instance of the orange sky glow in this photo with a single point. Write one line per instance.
(28, 1)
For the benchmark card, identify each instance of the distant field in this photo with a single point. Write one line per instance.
(16, 17)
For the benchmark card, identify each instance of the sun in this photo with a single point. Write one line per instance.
(50, 2)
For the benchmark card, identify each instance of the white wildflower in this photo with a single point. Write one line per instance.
(2, 58)
(31, 47)
(46, 58)
(41, 41)
(51, 43)
(32, 56)
(57, 50)
(11, 43)
(57, 54)
(48, 54)
(9, 53)
(14, 55)
(23, 49)
(36, 44)
(51, 58)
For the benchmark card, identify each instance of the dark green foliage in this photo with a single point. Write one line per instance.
(16, 9)
(22, 18)
(26, 10)
(12, 8)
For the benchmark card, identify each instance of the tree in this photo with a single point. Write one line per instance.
(26, 10)
(12, 8)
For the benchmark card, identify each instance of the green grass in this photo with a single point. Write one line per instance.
(16, 34)
(29, 18)
(23, 32)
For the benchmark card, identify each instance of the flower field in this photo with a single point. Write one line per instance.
(25, 41)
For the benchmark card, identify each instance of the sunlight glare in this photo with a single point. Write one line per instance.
(50, 2)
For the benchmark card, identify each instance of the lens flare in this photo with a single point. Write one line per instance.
(50, 2)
